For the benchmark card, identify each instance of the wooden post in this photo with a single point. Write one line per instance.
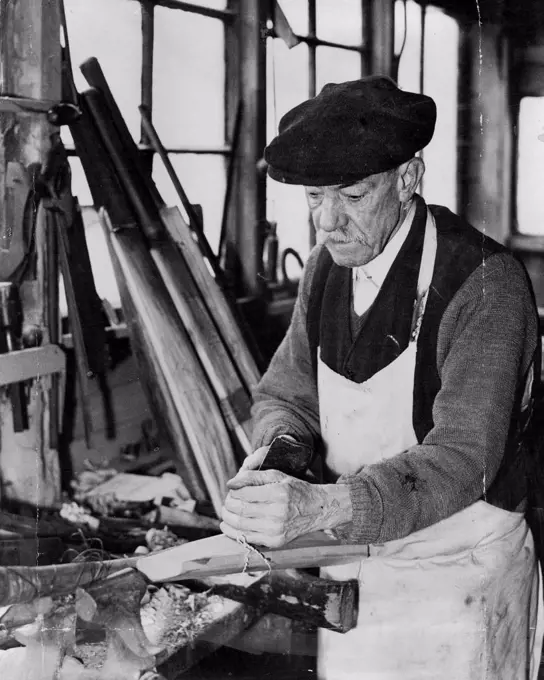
(382, 14)
(487, 150)
(252, 185)
(29, 67)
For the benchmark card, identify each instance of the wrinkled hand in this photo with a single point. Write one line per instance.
(271, 508)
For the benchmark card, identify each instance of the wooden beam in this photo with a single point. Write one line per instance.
(30, 67)
(34, 362)
(251, 184)
(382, 37)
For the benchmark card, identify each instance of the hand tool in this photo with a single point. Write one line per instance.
(288, 456)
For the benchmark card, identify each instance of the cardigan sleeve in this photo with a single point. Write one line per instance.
(285, 400)
(486, 342)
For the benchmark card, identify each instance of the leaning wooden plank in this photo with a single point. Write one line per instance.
(154, 383)
(192, 310)
(216, 301)
(233, 399)
(187, 383)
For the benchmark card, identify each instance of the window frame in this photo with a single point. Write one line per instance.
(313, 42)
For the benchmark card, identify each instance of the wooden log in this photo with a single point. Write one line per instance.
(187, 383)
(295, 594)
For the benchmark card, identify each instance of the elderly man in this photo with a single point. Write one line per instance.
(407, 367)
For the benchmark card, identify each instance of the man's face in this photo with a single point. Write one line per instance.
(356, 222)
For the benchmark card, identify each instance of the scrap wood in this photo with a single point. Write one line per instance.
(219, 307)
(187, 299)
(179, 366)
(155, 385)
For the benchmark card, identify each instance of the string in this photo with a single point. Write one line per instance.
(242, 540)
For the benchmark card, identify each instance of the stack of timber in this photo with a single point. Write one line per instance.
(194, 362)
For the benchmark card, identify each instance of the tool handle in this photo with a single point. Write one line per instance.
(288, 456)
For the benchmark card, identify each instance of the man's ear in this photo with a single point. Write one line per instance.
(410, 174)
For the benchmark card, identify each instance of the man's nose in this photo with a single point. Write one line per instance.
(331, 215)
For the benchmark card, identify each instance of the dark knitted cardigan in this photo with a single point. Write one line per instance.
(475, 348)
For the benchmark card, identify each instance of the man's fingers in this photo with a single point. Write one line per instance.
(253, 537)
(241, 503)
(242, 523)
(255, 478)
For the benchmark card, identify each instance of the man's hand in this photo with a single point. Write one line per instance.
(271, 508)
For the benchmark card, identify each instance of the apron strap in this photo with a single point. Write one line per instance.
(426, 270)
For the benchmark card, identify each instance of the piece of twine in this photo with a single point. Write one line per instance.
(242, 540)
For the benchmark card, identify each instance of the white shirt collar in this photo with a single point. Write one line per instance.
(378, 268)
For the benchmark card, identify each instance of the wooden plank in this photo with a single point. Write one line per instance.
(220, 555)
(233, 400)
(216, 301)
(30, 57)
(178, 364)
(26, 364)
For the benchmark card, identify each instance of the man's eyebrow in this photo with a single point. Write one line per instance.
(364, 187)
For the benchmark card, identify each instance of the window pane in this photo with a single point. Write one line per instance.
(104, 276)
(296, 12)
(204, 179)
(287, 81)
(340, 21)
(286, 205)
(530, 197)
(336, 66)
(441, 75)
(80, 187)
(410, 61)
(188, 79)
(94, 31)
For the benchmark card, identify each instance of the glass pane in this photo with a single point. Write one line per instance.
(286, 205)
(409, 66)
(111, 31)
(104, 276)
(441, 76)
(340, 21)
(336, 66)
(188, 79)
(204, 179)
(80, 187)
(530, 197)
(296, 12)
(287, 81)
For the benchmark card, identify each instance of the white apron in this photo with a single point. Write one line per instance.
(458, 600)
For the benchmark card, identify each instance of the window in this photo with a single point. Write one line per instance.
(170, 55)
(332, 48)
(530, 167)
(427, 49)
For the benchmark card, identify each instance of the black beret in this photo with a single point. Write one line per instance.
(350, 131)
